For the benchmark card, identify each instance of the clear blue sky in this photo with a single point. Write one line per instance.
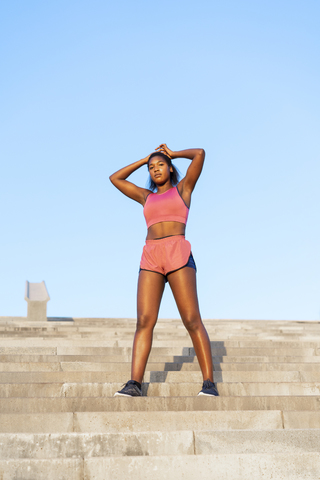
(89, 86)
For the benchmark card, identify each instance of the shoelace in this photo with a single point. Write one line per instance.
(129, 382)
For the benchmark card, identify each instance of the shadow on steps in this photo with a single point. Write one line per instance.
(187, 356)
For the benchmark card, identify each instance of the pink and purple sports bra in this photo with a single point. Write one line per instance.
(165, 207)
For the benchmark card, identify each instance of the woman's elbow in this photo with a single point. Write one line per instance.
(202, 152)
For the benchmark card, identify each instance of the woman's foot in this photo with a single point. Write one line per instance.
(209, 388)
(130, 389)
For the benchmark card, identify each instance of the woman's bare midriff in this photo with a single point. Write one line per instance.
(165, 229)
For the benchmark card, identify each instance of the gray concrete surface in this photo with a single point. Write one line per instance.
(157, 389)
(154, 404)
(57, 379)
(49, 469)
(114, 422)
(304, 466)
(153, 443)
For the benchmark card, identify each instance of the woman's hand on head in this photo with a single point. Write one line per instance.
(146, 159)
(164, 149)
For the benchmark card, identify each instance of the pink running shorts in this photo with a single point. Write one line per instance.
(165, 255)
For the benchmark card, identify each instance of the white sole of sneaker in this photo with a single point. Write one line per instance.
(206, 394)
(118, 394)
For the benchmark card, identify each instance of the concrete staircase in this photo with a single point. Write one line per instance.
(59, 420)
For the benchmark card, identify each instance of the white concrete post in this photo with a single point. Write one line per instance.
(37, 296)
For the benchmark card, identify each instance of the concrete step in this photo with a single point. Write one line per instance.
(159, 389)
(183, 442)
(114, 422)
(113, 339)
(246, 326)
(104, 377)
(179, 376)
(304, 466)
(119, 404)
(225, 467)
(37, 423)
(226, 332)
(86, 445)
(155, 366)
(195, 420)
(49, 469)
(166, 349)
(257, 441)
(30, 367)
(108, 339)
(156, 355)
(23, 358)
(160, 330)
(116, 364)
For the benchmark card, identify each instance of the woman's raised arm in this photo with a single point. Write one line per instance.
(119, 180)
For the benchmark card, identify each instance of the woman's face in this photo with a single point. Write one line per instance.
(159, 170)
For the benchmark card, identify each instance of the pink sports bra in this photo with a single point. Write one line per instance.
(165, 207)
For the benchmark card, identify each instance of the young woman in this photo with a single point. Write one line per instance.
(166, 257)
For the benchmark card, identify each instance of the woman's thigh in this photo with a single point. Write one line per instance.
(150, 291)
(183, 284)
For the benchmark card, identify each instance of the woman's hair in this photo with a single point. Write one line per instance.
(174, 175)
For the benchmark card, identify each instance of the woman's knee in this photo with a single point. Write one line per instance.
(192, 323)
(146, 321)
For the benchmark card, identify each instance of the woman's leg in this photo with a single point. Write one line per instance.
(150, 290)
(184, 288)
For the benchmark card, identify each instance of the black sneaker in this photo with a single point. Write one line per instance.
(209, 389)
(130, 389)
